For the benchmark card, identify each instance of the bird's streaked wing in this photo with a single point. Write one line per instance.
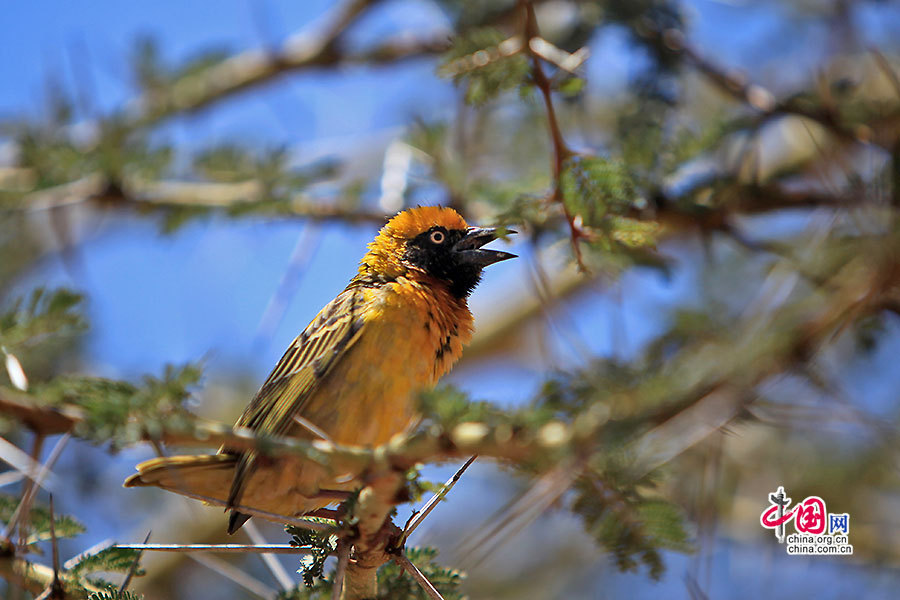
(296, 376)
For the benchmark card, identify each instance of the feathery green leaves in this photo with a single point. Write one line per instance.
(123, 413)
(109, 560)
(321, 544)
(394, 582)
(43, 314)
(485, 63)
(39, 520)
(632, 528)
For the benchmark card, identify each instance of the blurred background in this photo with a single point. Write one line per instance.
(706, 195)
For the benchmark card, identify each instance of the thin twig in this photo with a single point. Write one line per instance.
(10, 477)
(416, 574)
(307, 49)
(53, 541)
(301, 256)
(417, 517)
(55, 589)
(29, 489)
(482, 58)
(557, 56)
(887, 69)
(134, 566)
(219, 548)
(337, 587)
(167, 194)
(102, 545)
(20, 460)
(44, 473)
(561, 151)
(736, 85)
(528, 507)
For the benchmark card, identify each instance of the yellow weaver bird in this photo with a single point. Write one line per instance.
(352, 376)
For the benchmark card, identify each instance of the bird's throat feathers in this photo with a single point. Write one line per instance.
(436, 325)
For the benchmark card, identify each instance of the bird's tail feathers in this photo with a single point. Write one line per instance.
(205, 475)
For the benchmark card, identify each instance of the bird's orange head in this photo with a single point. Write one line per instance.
(431, 242)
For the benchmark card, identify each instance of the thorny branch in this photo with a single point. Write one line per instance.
(561, 151)
(416, 574)
(159, 195)
(320, 48)
(737, 86)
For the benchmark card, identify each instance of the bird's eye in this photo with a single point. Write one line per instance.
(437, 237)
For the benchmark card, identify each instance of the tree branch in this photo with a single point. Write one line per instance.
(308, 49)
(561, 151)
(375, 534)
(759, 98)
(35, 578)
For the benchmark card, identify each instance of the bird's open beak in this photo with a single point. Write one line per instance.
(469, 249)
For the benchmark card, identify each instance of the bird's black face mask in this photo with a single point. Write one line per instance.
(455, 256)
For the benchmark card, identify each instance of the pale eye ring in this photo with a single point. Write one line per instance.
(437, 237)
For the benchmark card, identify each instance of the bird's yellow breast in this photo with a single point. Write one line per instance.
(413, 333)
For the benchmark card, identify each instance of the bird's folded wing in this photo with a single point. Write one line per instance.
(296, 376)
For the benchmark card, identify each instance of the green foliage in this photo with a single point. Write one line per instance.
(272, 169)
(321, 544)
(395, 583)
(448, 406)
(416, 487)
(321, 590)
(153, 75)
(595, 187)
(122, 413)
(689, 142)
(477, 61)
(571, 87)
(39, 520)
(228, 163)
(527, 209)
(109, 560)
(112, 151)
(632, 528)
(445, 407)
(45, 313)
(601, 195)
(263, 183)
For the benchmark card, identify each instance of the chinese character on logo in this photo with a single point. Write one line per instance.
(810, 516)
(770, 520)
(839, 523)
